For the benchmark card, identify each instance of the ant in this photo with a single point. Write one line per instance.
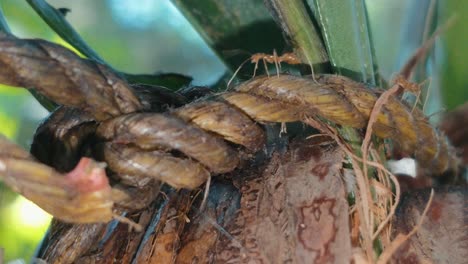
(289, 58)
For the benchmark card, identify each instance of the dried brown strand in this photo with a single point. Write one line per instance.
(132, 199)
(322, 99)
(65, 78)
(280, 99)
(151, 131)
(140, 166)
(82, 196)
(222, 119)
(352, 108)
(263, 109)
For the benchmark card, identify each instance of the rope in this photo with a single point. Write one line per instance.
(196, 129)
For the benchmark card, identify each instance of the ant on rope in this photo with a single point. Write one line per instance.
(289, 58)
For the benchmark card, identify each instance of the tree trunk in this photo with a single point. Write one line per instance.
(291, 208)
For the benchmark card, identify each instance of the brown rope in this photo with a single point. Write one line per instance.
(192, 136)
(273, 99)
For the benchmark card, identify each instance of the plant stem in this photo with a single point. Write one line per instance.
(296, 23)
(347, 35)
(233, 29)
(60, 25)
(3, 24)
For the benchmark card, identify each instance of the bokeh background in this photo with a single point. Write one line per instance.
(149, 36)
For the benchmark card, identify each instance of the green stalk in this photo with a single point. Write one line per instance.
(296, 23)
(233, 29)
(3, 24)
(454, 63)
(60, 25)
(347, 35)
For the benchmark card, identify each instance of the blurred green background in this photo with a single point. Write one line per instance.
(149, 36)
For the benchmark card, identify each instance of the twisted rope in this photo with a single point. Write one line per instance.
(196, 129)
(184, 146)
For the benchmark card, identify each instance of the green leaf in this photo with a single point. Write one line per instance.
(296, 23)
(44, 101)
(346, 33)
(234, 29)
(60, 25)
(455, 62)
(3, 24)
